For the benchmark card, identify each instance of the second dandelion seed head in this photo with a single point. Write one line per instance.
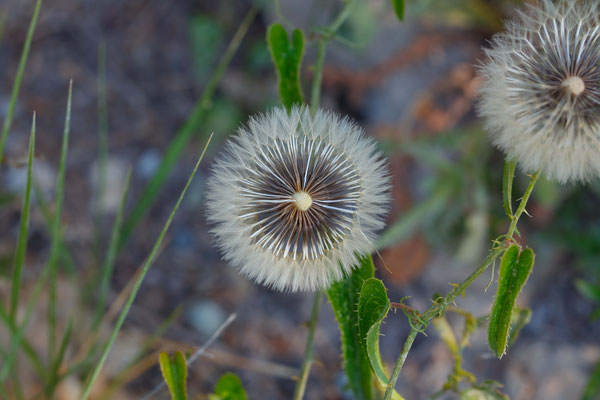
(541, 93)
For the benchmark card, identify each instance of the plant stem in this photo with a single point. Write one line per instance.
(321, 50)
(524, 200)
(442, 302)
(389, 390)
(309, 350)
(318, 76)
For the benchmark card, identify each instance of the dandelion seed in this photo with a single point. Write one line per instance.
(296, 198)
(541, 91)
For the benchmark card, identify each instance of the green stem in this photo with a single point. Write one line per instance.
(389, 390)
(524, 200)
(315, 96)
(309, 350)
(441, 303)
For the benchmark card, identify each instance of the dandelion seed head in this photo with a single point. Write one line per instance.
(541, 93)
(297, 197)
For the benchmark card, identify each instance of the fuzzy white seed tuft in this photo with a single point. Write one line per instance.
(541, 93)
(296, 198)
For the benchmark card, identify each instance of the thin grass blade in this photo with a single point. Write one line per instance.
(146, 266)
(185, 133)
(18, 78)
(111, 255)
(23, 230)
(55, 239)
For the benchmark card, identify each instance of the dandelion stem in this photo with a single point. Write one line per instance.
(330, 30)
(440, 304)
(309, 350)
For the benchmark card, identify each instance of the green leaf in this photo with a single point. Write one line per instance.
(373, 306)
(21, 250)
(480, 394)
(174, 371)
(229, 387)
(514, 271)
(587, 290)
(519, 319)
(507, 184)
(185, 133)
(399, 9)
(344, 298)
(287, 58)
(592, 389)
(18, 78)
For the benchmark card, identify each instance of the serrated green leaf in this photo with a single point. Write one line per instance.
(507, 184)
(229, 387)
(287, 58)
(174, 372)
(344, 298)
(373, 306)
(514, 271)
(399, 9)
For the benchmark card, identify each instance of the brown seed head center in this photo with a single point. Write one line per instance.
(574, 84)
(302, 200)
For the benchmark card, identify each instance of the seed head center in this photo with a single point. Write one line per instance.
(303, 200)
(574, 84)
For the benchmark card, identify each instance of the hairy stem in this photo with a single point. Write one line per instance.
(441, 303)
(309, 350)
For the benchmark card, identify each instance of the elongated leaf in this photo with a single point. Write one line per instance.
(18, 78)
(507, 183)
(514, 271)
(180, 142)
(344, 298)
(399, 9)
(592, 389)
(23, 229)
(174, 372)
(229, 387)
(373, 306)
(287, 58)
(520, 318)
(136, 286)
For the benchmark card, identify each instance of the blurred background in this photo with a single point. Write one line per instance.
(412, 85)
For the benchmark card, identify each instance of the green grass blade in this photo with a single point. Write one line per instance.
(56, 226)
(102, 148)
(136, 287)
(18, 78)
(64, 253)
(2, 23)
(28, 349)
(17, 337)
(185, 133)
(111, 255)
(23, 230)
(54, 376)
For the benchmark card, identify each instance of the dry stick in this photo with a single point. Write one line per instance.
(441, 303)
(198, 352)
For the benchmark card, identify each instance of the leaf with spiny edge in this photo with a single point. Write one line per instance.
(373, 306)
(515, 268)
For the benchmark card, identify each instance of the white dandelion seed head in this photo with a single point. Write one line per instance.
(296, 198)
(541, 92)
